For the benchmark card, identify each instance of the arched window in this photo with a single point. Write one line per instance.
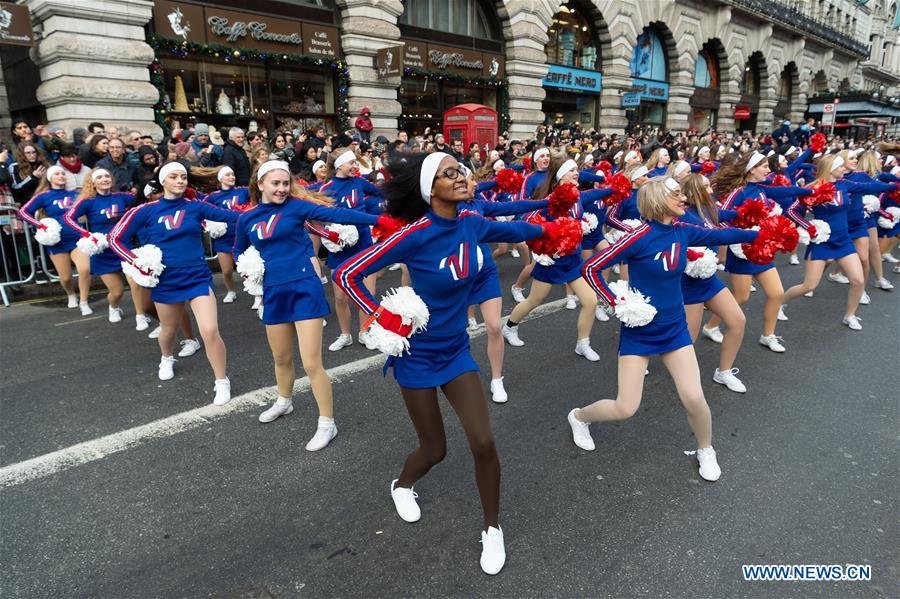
(649, 58)
(706, 69)
(462, 17)
(572, 42)
(750, 82)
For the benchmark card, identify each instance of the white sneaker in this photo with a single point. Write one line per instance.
(366, 339)
(517, 294)
(720, 266)
(498, 393)
(86, 309)
(883, 284)
(511, 334)
(257, 303)
(852, 322)
(73, 301)
(394, 267)
(223, 392)
(781, 314)
(752, 288)
(282, 407)
(600, 314)
(514, 253)
(142, 322)
(809, 293)
(838, 277)
(493, 553)
(405, 502)
(325, 432)
(341, 342)
(583, 348)
(581, 434)
(794, 259)
(189, 347)
(473, 324)
(115, 314)
(773, 342)
(888, 257)
(229, 297)
(167, 368)
(729, 379)
(571, 302)
(709, 466)
(864, 299)
(714, 334)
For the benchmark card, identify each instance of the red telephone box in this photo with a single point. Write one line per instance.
(471, 123)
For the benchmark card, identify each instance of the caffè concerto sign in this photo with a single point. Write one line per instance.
(433, 57)
(213, 25)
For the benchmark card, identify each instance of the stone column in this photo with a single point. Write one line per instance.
(680, 90)
(5, 118)
(93, 61)
(368, 26)
(730, 95)
(765, 119)
(525, 32)
(616, 82)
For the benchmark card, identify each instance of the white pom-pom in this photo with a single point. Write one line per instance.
(543, 259)
(632, 308)
(148, 258)
(215, 228)
(871, 204)
(804, 236)
(885, 223)
(588, 223)
(737, 249)
(480, 256)
(823, 230)
(252, 268)
(703, 267)
(614, 235)
(405, 303)
(348, 237)
(776, 209)
(49, 235)
(93, 244)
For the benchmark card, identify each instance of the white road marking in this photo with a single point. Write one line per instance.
(96, 449)
(62, 324)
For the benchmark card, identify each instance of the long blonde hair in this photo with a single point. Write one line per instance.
(88, 190)
(653, 161)
(824, 168)
(868, 163)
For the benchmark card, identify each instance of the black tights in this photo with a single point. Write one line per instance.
(467, 399)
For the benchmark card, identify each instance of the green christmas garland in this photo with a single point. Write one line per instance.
(503, 120)
(184, 49)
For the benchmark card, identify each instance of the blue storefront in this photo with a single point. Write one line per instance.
(572, 96)
(645, 103)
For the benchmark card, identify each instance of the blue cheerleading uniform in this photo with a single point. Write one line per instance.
(857, 219)
(624, 210)
(352, 193)
(227, 199)
(55, 203)
(694, 290)
(102, 213)
(658, 171)
(291, 288)
(656, 255)
(770, 195)
(592, 203)
(532, 181)
(175, 226)
(441, 256)
(565, 269)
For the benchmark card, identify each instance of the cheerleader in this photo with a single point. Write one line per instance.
(293, 301)
(540, 162)
(228, 197)
(353, 193)
(709, 292)
(838, 246)
(102, 210)
(320, 172)
(564, 269)
(628, 159)
(657, 254)
(658, 162)
(737, 182)
(174, 224)
(439, 247)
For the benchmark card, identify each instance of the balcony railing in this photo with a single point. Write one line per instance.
(781, 12)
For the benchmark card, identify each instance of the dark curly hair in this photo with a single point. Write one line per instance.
(404, 198)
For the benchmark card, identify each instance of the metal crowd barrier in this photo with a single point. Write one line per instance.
(19, 263)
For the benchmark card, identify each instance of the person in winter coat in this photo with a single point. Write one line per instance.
(123, 172)
(75, 169)
(233, 155)
(364, 125)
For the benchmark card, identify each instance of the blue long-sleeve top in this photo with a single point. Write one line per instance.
(836, 212)
(441, 257)
(592, 202)
(102, 212)
(532, 181)
(658, 171)
(887, 178)
(856, 213)
(589, 177)
(795, 165)
(174, 225)
(624, 210)
(770, 194)
(692, 216)
(656, 255)
(228, 199)
(276, 231)
(354, 193)
(55, 203)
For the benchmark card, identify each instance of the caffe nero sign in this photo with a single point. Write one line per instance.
(569, 78)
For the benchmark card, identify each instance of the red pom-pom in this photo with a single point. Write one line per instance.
(822, 194)
(243, 207)
(781, 181)
(776, 234)
(527, 162)
(750, 213)
(561, 237)
(621, 187)
(509, 181)
(605, 167)
(693, 254)
(562, 199)
(708, 168)
(386, 226)
(817, 142)
(190, 193)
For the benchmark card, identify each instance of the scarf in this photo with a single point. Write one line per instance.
(74, 169)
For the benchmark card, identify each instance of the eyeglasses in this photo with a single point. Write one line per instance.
(452, 173)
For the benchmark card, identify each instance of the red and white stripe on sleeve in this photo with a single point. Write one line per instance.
(593, 268)
(26, 211)
(121, 229)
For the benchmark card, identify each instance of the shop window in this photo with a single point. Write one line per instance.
(750, 82)
(572, 40)
(649, 58)
(706, 70)
(462, 17)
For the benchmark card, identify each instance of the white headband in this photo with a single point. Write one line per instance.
(771, 153)
(317, 164)
(895, 171)
(222, 172)
(588, 158)
(171, 167)
(540, 152)
(577, 156)
(499, 163)
(271, 165)
(672, 184)
(429, 171)
(618, 155)
(639, 172)
(890, 160)
(838, 163)
(877, 154)
(53, 170)
(701, 150)
(149, 190)
(466, 170)
(97, 172)
(631, 154)
(755, 159)
(858, 151)
(567, 166)
(344, 159)
(680, 167)
(790, 151)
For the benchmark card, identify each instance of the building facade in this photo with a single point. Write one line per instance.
(605, 64)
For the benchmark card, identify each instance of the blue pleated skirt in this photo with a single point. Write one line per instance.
(566, 270)
(654, 338)
(106, 262)
(432, 361)
(297, 300)
(183, 283)
(698, 291)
